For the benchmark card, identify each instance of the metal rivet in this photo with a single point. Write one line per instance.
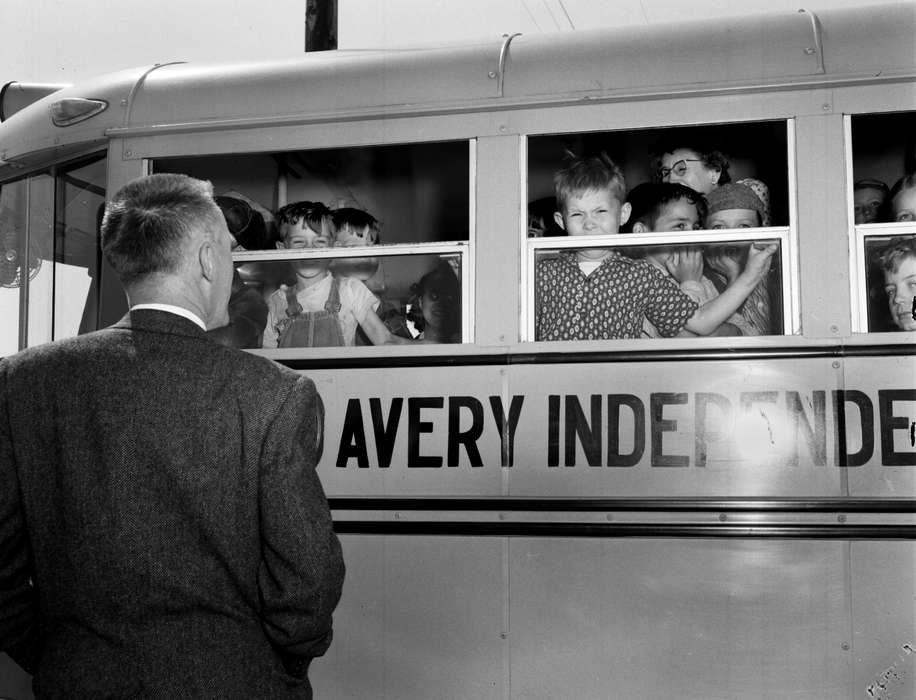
(835, 364)
(492, 73)
(841, 518)
(845, 646)
(128, 153)
(809, 51)
(503, 128)
(723, 517)
(834, 329)
(123, 103)
(825, 107)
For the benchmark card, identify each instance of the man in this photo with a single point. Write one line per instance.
(163, 533)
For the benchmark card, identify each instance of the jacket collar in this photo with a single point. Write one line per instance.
(157, 321)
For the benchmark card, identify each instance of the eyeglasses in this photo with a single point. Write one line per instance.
(679, 168)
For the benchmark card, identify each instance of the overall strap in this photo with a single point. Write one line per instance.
(293, 307)
(332, 305)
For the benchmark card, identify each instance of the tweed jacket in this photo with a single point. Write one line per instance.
(163, 532)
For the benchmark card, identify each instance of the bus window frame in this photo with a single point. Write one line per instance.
(859, 234)
(464, 249)
(787, 236)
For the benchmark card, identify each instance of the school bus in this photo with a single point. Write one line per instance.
(707, 517)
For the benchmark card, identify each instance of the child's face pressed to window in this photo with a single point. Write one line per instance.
(680, 215)
(299, 236)
(733, 218)
(900, 286)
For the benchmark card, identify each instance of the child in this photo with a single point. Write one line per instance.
(355, 228)
(903, 198)
(436, 305)
(320, 309)
(597, 293)
(869, 199)
(898, 260)
(669, 206)
(731, 206)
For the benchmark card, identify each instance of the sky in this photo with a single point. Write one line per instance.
(71, 40)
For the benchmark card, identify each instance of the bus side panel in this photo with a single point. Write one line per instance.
(546, 618)
(420, 617)
(884, 619)
(688, 619)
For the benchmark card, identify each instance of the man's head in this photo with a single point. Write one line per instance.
(869, 197)
(664, 206)
(167, 240)
(898, 260)
(590, 193)
(733, 206)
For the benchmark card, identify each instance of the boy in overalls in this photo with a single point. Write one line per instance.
(320, 309)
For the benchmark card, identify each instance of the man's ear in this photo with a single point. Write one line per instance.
(205, 257)
(640, 227)
(625, 210)
(558, 217)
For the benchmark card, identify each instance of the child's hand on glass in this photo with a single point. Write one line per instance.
(685, 265)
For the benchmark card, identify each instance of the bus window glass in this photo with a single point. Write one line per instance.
(656, 291)
(312, 299)
(883, 215)
(409, 203)
(80, 206)
(892, 263)
(698, 182)
(13, 227)
(25, 272)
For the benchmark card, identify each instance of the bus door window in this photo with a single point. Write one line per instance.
(726, 186)
(301, 218)
(26, 276)
(80, 204)
(882, 215)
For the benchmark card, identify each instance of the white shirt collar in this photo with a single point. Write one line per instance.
(169, 308)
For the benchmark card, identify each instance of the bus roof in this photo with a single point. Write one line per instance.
(741, 53)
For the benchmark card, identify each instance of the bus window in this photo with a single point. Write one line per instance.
(706, 186)
(427, 307)
(78, 218)
(26, 278)
(409, 203)
(882, 214)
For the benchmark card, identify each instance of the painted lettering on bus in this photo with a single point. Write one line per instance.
(580, 431)
(353, 443)
(663, 429)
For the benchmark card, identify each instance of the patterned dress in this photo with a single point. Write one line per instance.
(611, 302)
